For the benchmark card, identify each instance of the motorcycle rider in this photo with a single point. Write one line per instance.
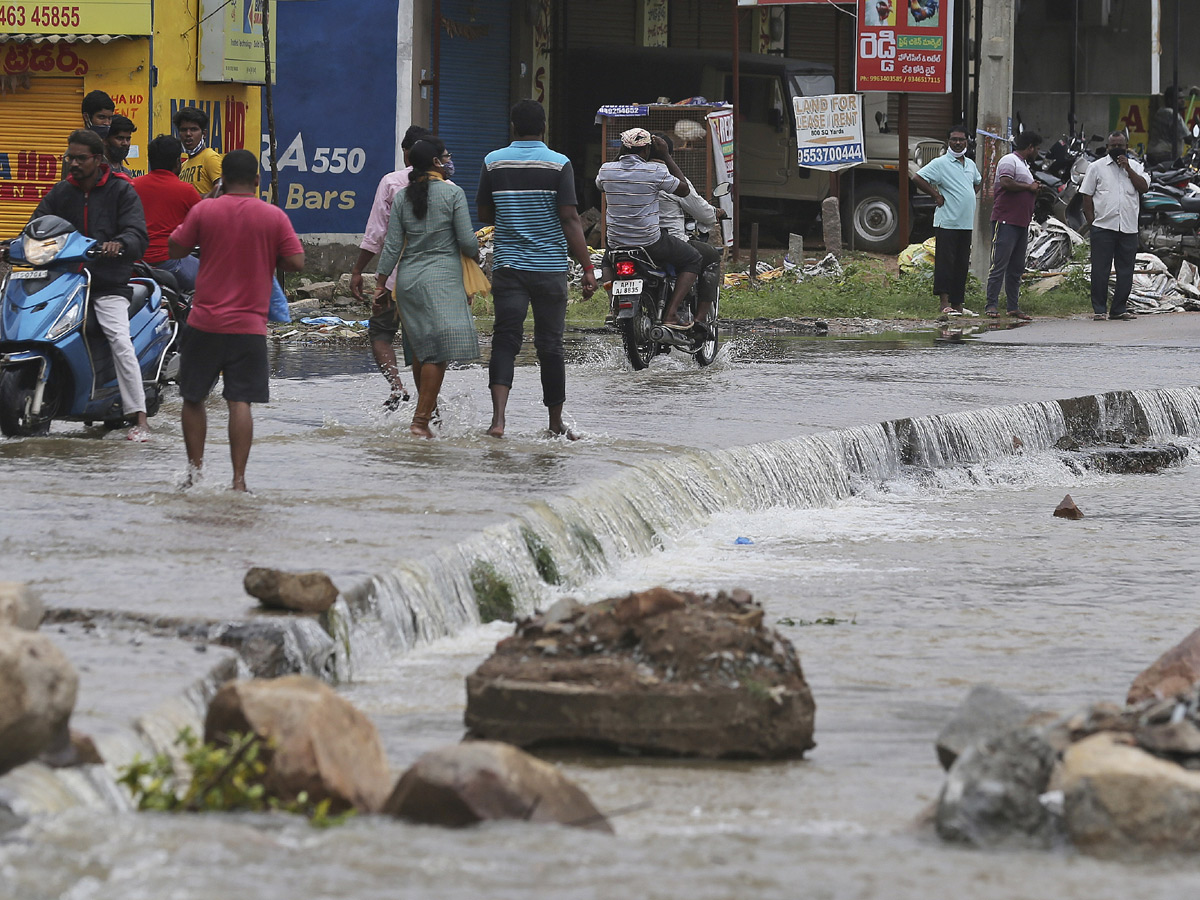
(1168, 131)
(631, 185)
(106, 208)
(672, 213)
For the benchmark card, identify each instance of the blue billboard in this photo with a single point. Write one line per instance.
(335, 112)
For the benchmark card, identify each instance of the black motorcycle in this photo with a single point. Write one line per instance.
(640, 291)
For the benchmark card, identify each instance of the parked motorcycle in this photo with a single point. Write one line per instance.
(55, 362)
(640, 290)
(1169, 218)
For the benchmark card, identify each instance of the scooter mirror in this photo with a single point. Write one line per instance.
(722, 189)
(1196, 131)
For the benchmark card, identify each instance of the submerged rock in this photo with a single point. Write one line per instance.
(320, 744)
(37, 696)
(1135, 460)
(306, 592)
(479, 781)
(1175, 672)
(1067, 509)
(986, 712)
(659, 671)
(1118, 797)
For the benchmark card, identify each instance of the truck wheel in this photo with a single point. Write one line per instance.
(874, 217)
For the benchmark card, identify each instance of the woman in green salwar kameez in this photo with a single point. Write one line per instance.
(428, 234)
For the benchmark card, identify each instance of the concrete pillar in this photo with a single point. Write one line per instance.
(404, 74)
(831, 224)
(994, 116)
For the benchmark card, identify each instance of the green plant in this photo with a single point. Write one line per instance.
(493, 595)
(225, 776)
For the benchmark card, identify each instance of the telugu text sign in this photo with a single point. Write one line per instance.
(829, 131)
(77, 17)
(904, 46)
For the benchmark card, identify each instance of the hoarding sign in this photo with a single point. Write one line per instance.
(904, 46)
(829, 131)
(77, 17)
(720, 125)
(231, 41)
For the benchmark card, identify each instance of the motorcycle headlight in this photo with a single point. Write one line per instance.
(39, 252)
(68, 319)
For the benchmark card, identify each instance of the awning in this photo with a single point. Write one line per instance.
(65, 38)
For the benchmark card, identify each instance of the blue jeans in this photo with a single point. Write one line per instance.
(184, 271)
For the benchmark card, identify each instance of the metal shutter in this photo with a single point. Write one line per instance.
(599, 22)
(929, 115)
(34, 124)
(473, 86)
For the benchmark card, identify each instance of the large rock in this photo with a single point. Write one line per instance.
(20, 607)
(656, 672)
(992, 792)
(343, 285)
(320, 744)
(37, 695)
(1118, 798)
(986, 712)
(306, 592)
(478, 781)
(320, 290)
(1175, 672)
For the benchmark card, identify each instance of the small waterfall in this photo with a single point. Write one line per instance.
(520, 565)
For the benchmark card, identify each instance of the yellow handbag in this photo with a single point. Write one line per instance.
(474, 281)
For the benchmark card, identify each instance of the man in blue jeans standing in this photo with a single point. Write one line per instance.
(528, 192)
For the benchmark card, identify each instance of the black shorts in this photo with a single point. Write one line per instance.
(241, 359)
(384, 326)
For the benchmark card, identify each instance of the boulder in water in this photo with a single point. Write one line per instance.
(318, 742)
(478, 781)
(306, 592)
(37, 695)
(1118, 797)
(1135, 460)
(1175, 672)
(1067, 509)
(986, 712)
(20, 607)
(659, 671)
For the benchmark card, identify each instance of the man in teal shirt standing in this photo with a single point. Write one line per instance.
(952, 180)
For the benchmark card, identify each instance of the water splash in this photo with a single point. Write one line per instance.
(524, 563)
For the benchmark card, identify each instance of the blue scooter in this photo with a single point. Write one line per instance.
(55, 362)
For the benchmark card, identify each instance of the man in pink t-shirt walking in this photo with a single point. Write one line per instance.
(242, 240)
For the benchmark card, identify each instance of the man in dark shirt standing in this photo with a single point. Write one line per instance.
(528, 192)
(106, 208)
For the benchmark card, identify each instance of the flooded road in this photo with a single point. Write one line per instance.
(931, 579)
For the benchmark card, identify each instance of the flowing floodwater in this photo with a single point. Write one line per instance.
(906, 561)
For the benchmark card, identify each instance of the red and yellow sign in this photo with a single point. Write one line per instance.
(904, 46)
(76, 17)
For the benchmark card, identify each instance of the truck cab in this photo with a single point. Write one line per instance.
(772, 187)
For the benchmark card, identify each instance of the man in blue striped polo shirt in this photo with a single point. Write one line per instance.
(528, 192)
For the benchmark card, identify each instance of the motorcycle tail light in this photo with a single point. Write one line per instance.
(625, 304)
(625, 268)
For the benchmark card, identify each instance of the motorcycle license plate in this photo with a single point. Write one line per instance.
(32, 275)
(626, 288)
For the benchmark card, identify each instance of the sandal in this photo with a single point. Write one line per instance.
(1021, 315)
(1099, 317)
(392, 403)
(138, 435)
(950, 311)
(970, 313)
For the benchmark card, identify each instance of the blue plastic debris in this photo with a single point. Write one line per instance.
(743, 540)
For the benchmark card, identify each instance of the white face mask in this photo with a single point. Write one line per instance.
(958, 154)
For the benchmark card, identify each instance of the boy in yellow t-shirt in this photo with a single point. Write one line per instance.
(201, 164)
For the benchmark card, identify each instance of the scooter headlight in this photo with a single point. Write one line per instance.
(67, 319)
(38, 252)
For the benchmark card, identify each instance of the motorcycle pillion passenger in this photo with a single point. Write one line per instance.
(673, 211)
(202, 166)
(106, 208)
(98, 110)
(631, 185)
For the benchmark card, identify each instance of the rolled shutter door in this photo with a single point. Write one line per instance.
(34, 124)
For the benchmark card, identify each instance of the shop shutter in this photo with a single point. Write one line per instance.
(473, 92)
(929, 115)
(598, 23)
(34, 124)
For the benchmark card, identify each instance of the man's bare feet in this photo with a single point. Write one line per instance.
(561, 430)
(416, 429)
(239, 484)
(497, 429)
